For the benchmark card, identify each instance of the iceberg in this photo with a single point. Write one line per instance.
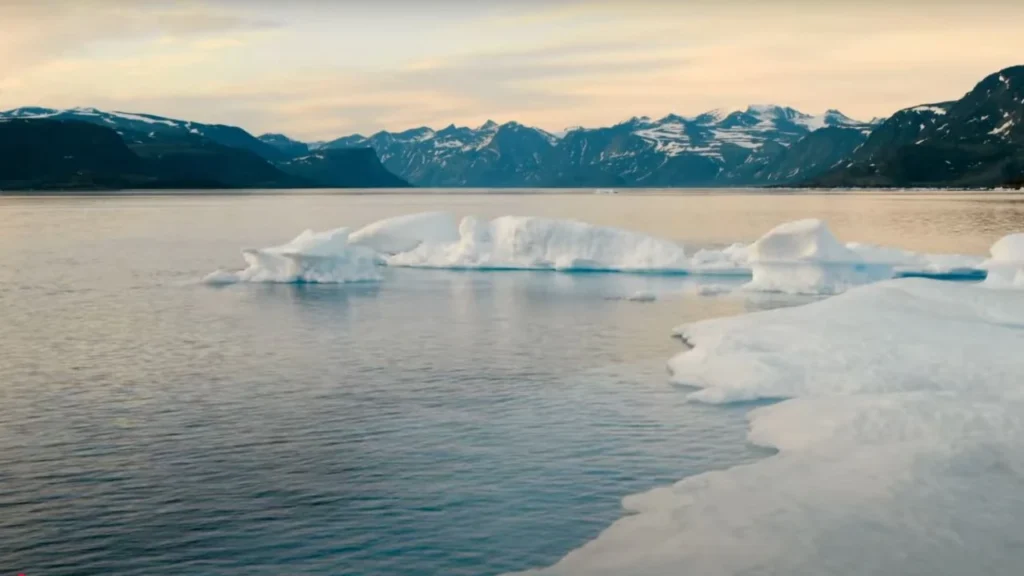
(731, 260)
(899, 439)
(530, 243)
(405, 233)
(312, 257)
(908, 263)
(1006, 265)
(800, 257)
(803, 257)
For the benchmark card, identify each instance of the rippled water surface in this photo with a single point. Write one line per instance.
(435, 423)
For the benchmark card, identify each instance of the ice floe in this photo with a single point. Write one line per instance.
(900, 443)
(802, 257)
(313, 257)
(531, 243)
(405, 233)
(1006, 265)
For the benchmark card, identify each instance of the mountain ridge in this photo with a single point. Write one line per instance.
(51, 153)
(706, 149)
(976, 141)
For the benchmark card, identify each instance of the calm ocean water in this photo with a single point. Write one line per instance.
(437, 423)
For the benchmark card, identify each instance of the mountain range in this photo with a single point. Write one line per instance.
(975, 141)
(717, 148)
(85, 148)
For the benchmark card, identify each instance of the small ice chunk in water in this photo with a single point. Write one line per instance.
(643, 296)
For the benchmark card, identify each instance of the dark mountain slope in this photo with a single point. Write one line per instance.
(976, 141)
(348, 168)
(51, 154)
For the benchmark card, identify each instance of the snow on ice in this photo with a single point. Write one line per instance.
(405, 233)
(312, 257)
(528, 243)
(1006, 266)
(900, 439)
(800, 257)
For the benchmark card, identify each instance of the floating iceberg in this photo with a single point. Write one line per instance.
(900, 447)
(527, 243)
(405, 233)
(313, 257)
(1006, 265)
(731, 260)
(803, 257)
(908, 263)
(800, 257)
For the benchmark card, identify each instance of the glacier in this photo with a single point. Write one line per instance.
(801, 257)
(898, 427)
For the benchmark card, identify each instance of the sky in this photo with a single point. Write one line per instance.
(320, 69)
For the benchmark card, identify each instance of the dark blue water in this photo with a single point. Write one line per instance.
(436, 423)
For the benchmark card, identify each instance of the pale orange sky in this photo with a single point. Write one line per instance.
(322, 69)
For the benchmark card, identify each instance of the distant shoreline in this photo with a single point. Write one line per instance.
(760, 191)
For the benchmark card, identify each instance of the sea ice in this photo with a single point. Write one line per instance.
(530, 243)
(405, 233)
(800, 257)
(1006, 265)
(906, 262)
(803, 257)
(900, 443)
(313, 257)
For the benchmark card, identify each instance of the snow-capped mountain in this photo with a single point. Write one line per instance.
(291, 148)
(85, 148)
(975, 141)
(714, 148)
(490, 155)
(140, 128)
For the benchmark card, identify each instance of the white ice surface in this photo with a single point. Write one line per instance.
(404, 233)
(803, 257)
(1006, 265)
(313, 257)
(530, 243)
(901, 448)
(906, 261)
